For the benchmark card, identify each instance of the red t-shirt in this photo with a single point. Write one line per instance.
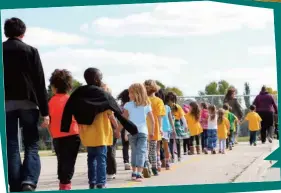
(56, 107)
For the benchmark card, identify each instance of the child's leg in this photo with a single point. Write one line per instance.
(101, 154)
(133, 143)
(171, 147)
(191, 139)
(223, 145)
(67, 159)
(178, 142)
(141, 148)
(254, 137)
(166, 149)
(220, 145)
(185, 142)
(152, 154)
(158, 155)
(111, 161)
(197, 140)
(202, 140)
(125, 149)
(92, 166)
(214, 139)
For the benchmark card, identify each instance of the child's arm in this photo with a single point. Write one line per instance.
(152, 122)
(184, 123)
(115, 125)
(172, 122)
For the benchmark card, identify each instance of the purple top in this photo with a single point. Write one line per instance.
(265, 102)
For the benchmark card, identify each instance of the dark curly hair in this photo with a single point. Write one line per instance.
(124, 96)
(195, 110)
(14, 27)
(171, 97)
(61, 80)
(161, 94)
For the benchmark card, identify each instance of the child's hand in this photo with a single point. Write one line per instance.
(117, 134)
(151, 135)
(161, 132)
(174, 133)
(126, 137)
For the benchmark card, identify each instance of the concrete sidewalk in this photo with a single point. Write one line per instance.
(238, 165)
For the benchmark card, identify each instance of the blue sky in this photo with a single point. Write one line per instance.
(181, 44)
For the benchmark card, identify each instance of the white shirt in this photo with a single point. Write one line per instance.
(212, 124)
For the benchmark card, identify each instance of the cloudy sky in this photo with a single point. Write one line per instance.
(181, 44)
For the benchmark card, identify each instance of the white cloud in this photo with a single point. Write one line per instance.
(262, 50)
(119, 68)
(37, 36)
(186, 18)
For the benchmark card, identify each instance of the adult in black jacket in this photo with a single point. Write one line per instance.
(25, 99)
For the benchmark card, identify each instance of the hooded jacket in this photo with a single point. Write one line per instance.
(88, 101)
(264, 102)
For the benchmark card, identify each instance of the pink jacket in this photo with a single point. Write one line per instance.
(204, 119)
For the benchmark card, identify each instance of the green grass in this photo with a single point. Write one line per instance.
(243, 139)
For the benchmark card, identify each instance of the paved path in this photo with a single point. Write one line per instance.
(243, 164)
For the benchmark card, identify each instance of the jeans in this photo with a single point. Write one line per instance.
(27, 172)
(125, 149)
(97, 165)
(253, 137)
(204, 138)
(222, 144)
(111, 159)
(171, 146)
(212, 138)
(138, 145)
(66, 159)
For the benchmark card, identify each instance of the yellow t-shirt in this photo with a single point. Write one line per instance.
(158, 109)
(254, 121)
(179, 113)
(99, 133)
(223, 129)
(194, 126)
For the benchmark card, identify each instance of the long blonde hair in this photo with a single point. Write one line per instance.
(220, 115)
(140, 95)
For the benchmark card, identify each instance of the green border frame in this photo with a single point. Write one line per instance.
(218, 188)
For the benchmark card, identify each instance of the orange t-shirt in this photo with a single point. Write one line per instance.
(56, 107)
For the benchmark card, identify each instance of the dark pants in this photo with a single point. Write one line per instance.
(253, 137)
(229, 140)
(97, 165)
(186, 145)
(66, 149)
(111, 159)
(27, 172)
(204, 139)
(125, 149)
(266, 125)
(171, 145)
(195, 138)
(162, 155)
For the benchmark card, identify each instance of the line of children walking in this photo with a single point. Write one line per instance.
(150, 119)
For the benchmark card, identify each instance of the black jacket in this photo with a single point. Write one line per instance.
(23, 74)
(88, 101)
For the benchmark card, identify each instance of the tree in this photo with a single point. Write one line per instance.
(169, 89)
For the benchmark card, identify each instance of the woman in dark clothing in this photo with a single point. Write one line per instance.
(124, 98)
(266, 107)
(236, 108)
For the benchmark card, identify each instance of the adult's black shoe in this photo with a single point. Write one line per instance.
(27, 188)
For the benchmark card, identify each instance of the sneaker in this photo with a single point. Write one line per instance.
(65, 187)
(134, 176)
(127, 166)
(269, 140)
(205, 151)
(101, 186)
(155, 171)
(179, 159)
(111, 177)
(223, 152)
(167, 166)
(146, 173)
(214, 152)
(220, 151)
(27, 188)
(139, 178)
(255, 144)
(185, 153)
(230, 147)
(173, 160)
(159, 169)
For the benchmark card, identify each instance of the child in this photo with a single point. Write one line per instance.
(204, 123)
(232, 121)
(111, 168)
(179, 119)
(195, 128)
(158, 110)
(138, 110)
(212, 129)
(124, 98)
(254, 121)
(61, 84)
(223, 130)
(186, 147)
(168, 128)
